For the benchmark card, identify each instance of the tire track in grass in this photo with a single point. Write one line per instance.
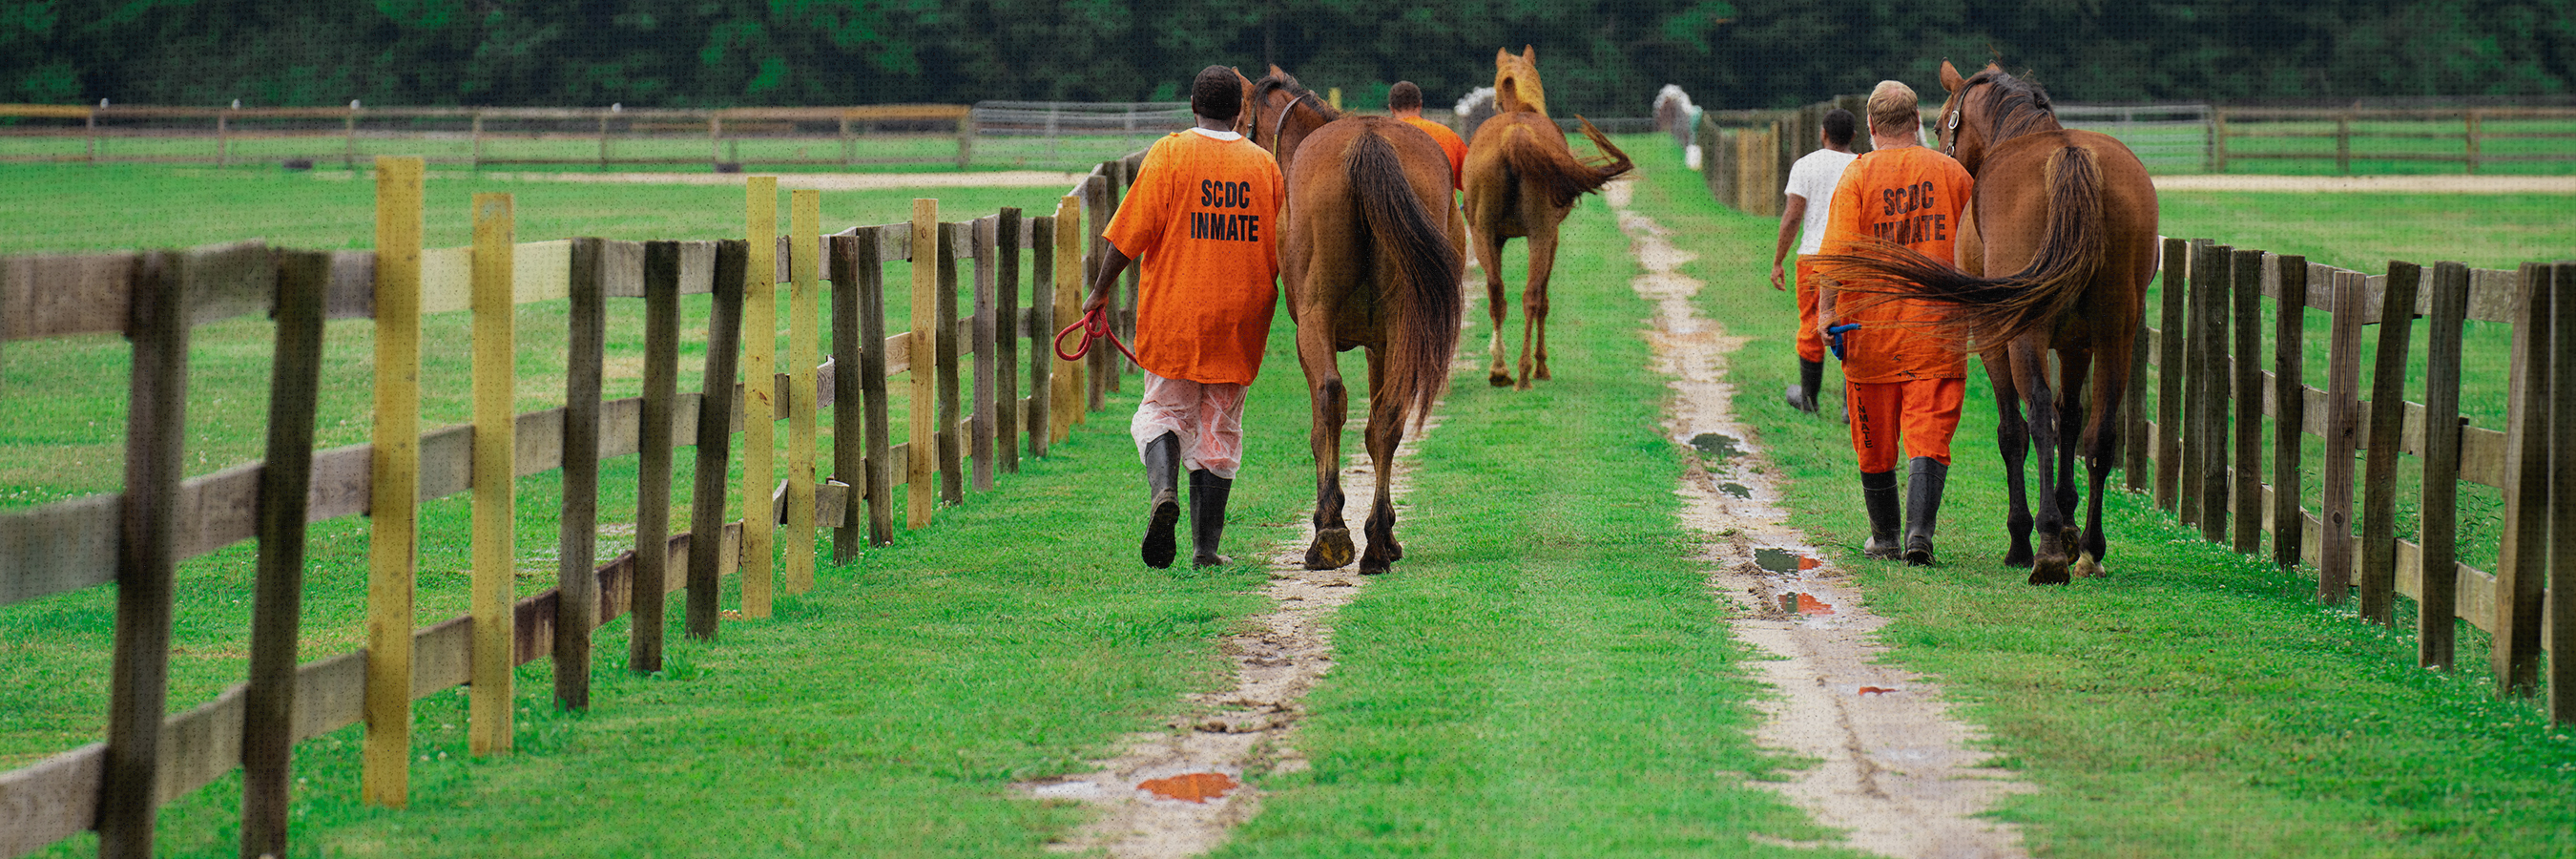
(1896, 771)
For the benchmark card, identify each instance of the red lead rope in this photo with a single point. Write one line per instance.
(1094, 326)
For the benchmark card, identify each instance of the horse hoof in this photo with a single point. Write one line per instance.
(2048, 571)
(1500, 380)
(2089, 567)
(1331, 550)
(1374, 567)
(2018, 557)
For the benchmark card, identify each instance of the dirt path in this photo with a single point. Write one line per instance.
(1180, 792)
(1897, 772)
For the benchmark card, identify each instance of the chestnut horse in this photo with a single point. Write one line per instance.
(1369, 258)
(2072, 216)
(1521, 181)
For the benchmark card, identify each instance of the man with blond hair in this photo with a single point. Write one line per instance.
(1903, 381)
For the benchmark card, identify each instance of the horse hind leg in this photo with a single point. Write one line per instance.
(1489, 250)
(1331, 549)
(2012, 439)
(1385, 431)
(2101, 442)
(2056, 536)
(1542, 246)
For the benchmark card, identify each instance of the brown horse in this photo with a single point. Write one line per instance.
(1369, 258)
(2072, 215)
(1521, 181)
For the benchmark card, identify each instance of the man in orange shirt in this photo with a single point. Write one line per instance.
(1201, 223)
(1405, 101)
(1903, 381)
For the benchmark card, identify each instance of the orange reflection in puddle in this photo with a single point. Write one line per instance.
(1192, 787)
(1807, 563)
(1808, 604)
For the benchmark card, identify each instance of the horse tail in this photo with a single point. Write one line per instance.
(1424, 302)
(1559, 174)
(1999, 309)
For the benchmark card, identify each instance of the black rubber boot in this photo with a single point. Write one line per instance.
(1207, 516)
(1163, 479)
(1922, 506)
(1804, 395)
(1878, 492)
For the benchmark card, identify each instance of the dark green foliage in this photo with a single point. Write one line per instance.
(1602, 57)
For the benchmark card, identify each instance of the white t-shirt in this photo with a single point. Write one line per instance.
(1814, 178)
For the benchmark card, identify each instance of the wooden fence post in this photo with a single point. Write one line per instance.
(2197, 377)
(1102, 201)
(2437, 599)
(2343, 430)
(393, 510)
(984, 234)
(923, 441)
(849, 442)
(577, 546)
(2522, 560)
(2245, 285)
(2210, 432)
(1042, 322)
(1011, 325)
(2343, 143)
(2559, 626)
(1070, 387)
(715, 441)
(759, 392)
(2136, 443)
(146, 557)
(943, 353)
(654, 451)
(804, 393)
(285, 476)
(878, 465)
(496, 567)
(2171, 369)
(2290, 407)
(2379, 460)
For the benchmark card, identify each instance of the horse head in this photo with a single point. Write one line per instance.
(1516, 86)
(1987, 109)
(1283, 113)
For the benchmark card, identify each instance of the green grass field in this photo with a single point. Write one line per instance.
(1543, 675)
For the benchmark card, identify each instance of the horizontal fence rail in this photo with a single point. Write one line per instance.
(613, 136)
(1002, 315)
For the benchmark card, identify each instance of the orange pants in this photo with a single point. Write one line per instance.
(1921, 414)
(1811, 345)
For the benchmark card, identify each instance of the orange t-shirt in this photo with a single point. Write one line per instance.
(1449, 143)
(1202, 223)
(1912, 196)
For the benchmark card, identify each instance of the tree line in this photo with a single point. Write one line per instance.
(1600, 57)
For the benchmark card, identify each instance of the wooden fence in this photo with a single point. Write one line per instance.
(481, 136)
(2527, 135)
(135, 538)
(2195, 439)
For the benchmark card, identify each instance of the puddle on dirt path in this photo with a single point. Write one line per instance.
(1736, 489)
(1782, 560)
(1804, 603)
(1191, 787)
(1716, 446)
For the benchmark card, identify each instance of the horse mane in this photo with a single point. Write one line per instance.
(1278, 81)
(2020, 106)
